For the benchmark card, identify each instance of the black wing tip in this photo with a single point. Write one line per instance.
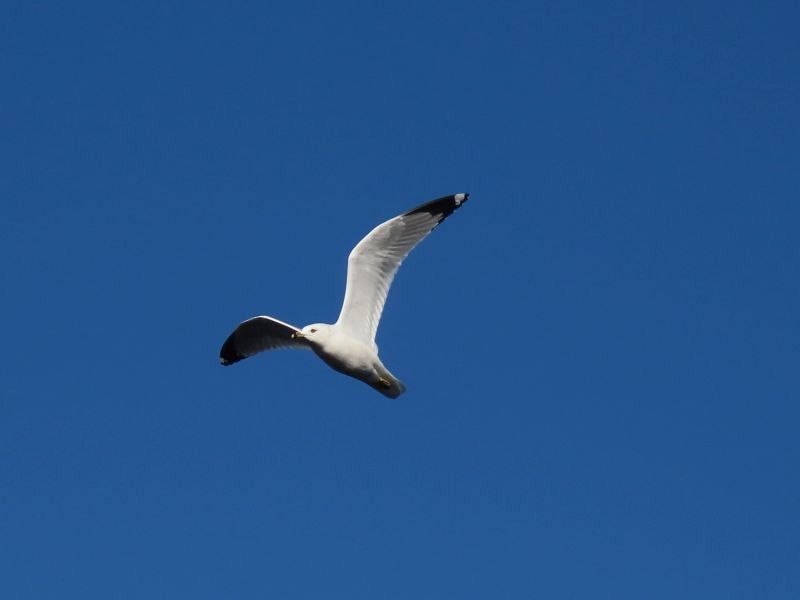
(441, 207)
(229, 359)
(228, 355)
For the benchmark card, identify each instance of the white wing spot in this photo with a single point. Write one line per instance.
(459, 198)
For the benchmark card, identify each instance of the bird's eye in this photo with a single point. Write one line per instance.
(313, 330)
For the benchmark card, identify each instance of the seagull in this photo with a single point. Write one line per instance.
(348, 346)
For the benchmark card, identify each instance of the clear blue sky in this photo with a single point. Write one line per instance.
(601, 348)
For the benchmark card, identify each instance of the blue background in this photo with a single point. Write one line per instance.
(601, 348)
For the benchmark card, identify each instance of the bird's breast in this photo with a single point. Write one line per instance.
(347, 355)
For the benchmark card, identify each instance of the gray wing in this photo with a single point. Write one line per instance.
(257, 335)
(374, 261)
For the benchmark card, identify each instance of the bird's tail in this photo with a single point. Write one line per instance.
(387, 384)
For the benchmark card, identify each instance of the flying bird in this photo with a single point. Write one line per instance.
(348, 345)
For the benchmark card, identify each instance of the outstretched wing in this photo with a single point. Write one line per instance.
(257, 335)
(373, 263)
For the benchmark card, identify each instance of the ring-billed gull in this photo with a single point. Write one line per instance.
(349, 344)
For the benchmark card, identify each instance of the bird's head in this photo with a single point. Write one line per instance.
(316, 332)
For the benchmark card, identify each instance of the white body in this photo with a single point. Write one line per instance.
(351, 356)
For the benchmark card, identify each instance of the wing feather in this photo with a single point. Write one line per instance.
(257, 335)
(374, 261)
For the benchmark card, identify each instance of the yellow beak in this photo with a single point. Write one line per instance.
(297, 334)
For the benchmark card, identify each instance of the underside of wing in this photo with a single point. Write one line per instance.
(257, 335)
(373, 263)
